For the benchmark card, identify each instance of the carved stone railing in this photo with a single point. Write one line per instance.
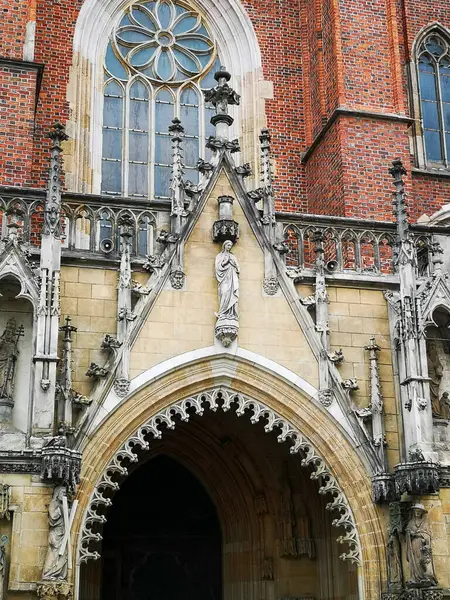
(90, 223)
(90, 226)
(352, 246)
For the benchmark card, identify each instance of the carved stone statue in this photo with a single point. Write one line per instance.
(418, 549)
(3, 542)
(227, 274)
(55, 566)
(8, 357)
(394, 564)
(444, 405)
(435, 372)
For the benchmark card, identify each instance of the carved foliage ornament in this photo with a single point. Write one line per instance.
(215, 399)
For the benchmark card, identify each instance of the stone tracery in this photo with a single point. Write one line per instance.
(215, 399)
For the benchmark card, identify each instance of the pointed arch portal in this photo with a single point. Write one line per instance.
(262, 490)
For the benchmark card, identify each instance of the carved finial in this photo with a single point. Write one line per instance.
(177, 183)
(221, 96)
(399, 203)
(376, 400)
(267, 189)
(52, 223)
(66, 373)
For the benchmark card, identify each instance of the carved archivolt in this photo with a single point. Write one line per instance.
(216, 399)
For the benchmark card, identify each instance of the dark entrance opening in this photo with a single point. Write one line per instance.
(162, 540)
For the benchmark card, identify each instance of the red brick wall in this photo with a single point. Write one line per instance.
(429, 192)
(278, 27)
(319, 54)
(325, 175)
(54, 35)
(17, 98)
(368, 148)
(13, 20)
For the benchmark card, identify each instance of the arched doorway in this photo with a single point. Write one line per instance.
(162, 539)
(277, 537)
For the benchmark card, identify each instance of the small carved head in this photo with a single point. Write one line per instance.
(227, 245)
(177, 278)
(418, 510)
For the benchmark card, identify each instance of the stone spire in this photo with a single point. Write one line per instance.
(177, 183)
(411, 355)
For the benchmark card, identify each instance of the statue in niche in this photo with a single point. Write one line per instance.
(8, 357)
(55, 566)
(418, 549)
(227, 275)
(3, 542)
(435, 373)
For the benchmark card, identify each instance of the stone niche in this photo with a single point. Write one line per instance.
(438, 360)
(21, 310)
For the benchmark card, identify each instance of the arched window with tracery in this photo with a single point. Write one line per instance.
(159, 58)
(433, 68)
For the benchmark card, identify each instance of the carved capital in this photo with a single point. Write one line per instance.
(54, 590)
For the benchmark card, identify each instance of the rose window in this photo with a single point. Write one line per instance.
(160, 57)
(163, 41)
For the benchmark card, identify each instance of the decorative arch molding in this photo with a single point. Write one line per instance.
(225, 362)
(239, 49)
(214, 399)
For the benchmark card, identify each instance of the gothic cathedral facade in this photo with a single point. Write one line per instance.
(225, 300)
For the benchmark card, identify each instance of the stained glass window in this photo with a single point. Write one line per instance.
(159, 58)
(434, 84)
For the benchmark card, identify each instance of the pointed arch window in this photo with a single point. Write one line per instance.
(433, 64)
(159, 58)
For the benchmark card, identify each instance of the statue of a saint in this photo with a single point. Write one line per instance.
(435, 373)
(418, 549)
(8, 357)
(227, 274)
(55, 566)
